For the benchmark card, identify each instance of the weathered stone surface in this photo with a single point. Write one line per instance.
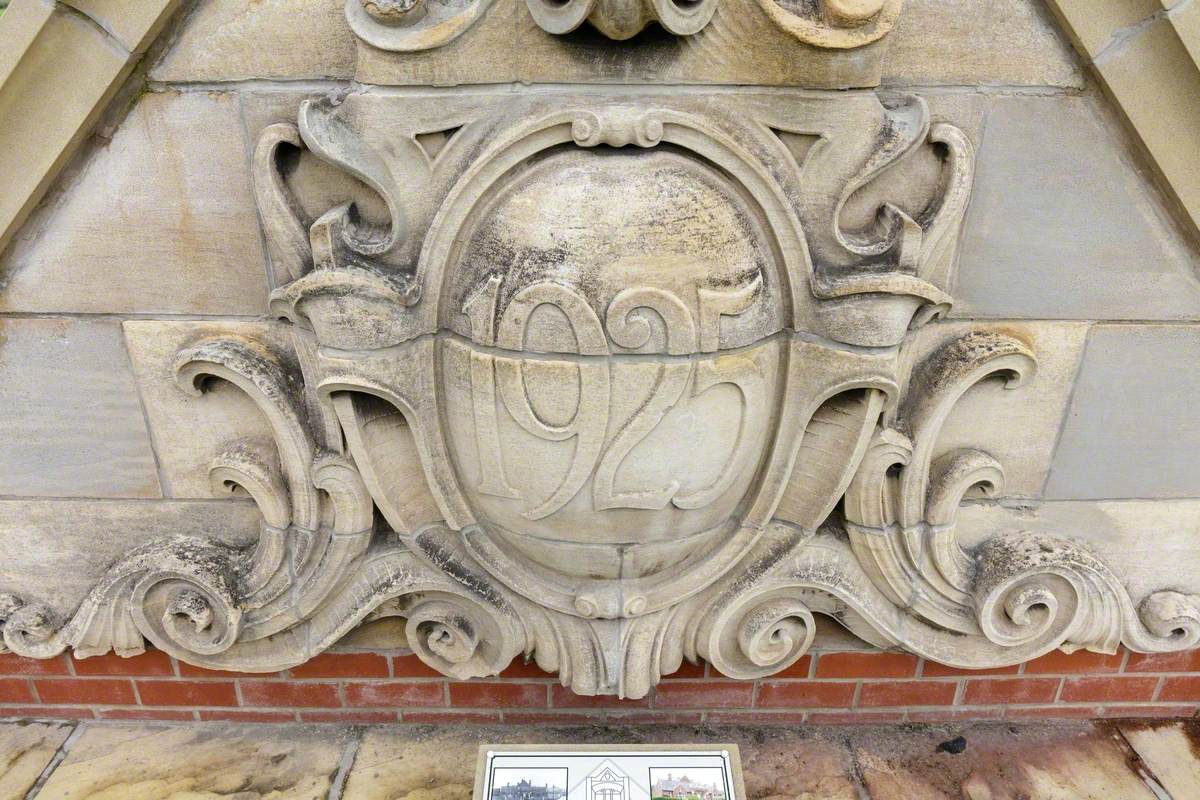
(1137, 537)
(1169, 750)
(189, 430)
(1065, 761)
(1018, 426)
(134, 23)
(486, 53)
(57, 550)
(1147, 55)
(808, 765)
(149, 762)
(159, 220)
(1060, 226)
(938, 42)
(26, 748)
(716, 54)
(1155, 74)
(632, 429)
(1094, 24)
(607, 375)
(1131, 431)
(72, 425)
(507, 44)
(226, 40)
(39, 137)
(416, 763)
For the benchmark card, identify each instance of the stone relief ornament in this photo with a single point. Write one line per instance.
(410, 25)
(834, 24)
(620, 19)
(609, 384)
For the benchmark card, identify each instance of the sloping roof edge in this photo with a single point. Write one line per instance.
(60, 65)
(1147, 57)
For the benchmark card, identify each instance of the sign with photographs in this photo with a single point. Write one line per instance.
(614, 772)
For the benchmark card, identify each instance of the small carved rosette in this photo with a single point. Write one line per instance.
(604, 382)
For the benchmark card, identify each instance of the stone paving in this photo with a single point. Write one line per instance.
(984, 761)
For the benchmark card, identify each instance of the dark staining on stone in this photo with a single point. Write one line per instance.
(953, 746)
(456, 568)
(695, 212)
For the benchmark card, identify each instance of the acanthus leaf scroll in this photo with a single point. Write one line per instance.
(607, 436)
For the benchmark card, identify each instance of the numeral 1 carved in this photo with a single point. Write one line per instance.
(590, 420)
(481, 310)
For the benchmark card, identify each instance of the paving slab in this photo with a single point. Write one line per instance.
(199, 762)
(419, 763)
(1067, 761)
(974, 761)
(26, 749)
(1170, 750)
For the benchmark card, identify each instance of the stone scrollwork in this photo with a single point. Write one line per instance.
(835, 24)
(412, 25)
(621, 20)
(613, 385)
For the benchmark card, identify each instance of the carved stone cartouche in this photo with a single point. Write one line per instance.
(623, 390)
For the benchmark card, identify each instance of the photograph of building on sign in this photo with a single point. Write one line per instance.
(701, 783)
(511, 783)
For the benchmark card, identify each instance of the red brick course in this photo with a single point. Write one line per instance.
(1116, 689)
(907, 693)
(1011, 691)
(152, 662)
(866, 665)
(187, 693)
(822, 688)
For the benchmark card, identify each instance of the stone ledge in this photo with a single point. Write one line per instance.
(1147, 55)
(49, 109)
(1126, 759)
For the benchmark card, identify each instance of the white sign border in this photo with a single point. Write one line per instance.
(728, 752)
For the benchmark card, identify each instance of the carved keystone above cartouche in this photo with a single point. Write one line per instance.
(621, 19)
(411, 25)
(606, 380)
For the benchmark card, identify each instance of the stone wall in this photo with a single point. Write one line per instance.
(156, 237)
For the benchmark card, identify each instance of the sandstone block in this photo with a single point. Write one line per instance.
(72, 425)
(1017, 426)
(1061, 227)
(58, 549)
(146, 762)
(160, 220)
(938, 42)
(1137, 537)
(245, 39)
(189, 431)
(1132, 429)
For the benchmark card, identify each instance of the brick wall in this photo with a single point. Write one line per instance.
(826, 687)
